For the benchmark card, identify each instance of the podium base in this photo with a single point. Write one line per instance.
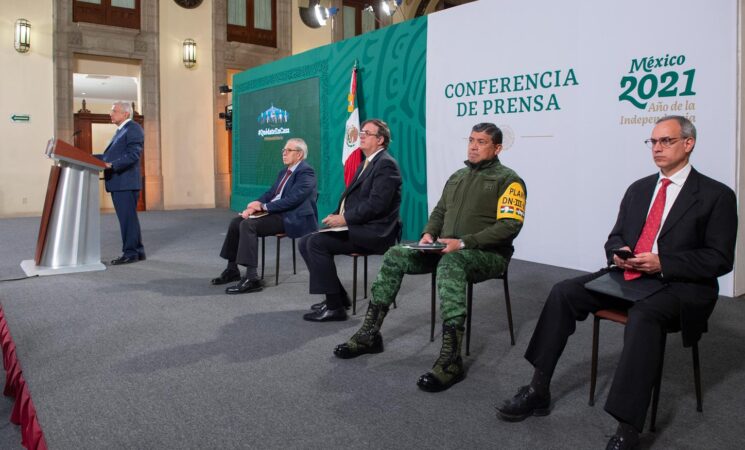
(30, 268)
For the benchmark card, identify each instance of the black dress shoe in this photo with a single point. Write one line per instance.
(245, 286)
(227, 276)
(141, 257)
(315, 306)
(528, 402)
(326, 315)
(124, 260)
(617, 442)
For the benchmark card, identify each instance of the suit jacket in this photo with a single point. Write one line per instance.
(372, 202)
(696, 243)
(298, 202)
(124, 153)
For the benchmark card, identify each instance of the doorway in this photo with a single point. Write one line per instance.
(97, 83)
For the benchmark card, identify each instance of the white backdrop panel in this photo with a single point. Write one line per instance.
(580, 148)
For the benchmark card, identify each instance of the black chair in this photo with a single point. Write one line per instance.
(622, 317)
(354, 257)
(276, 269)
(469, 307)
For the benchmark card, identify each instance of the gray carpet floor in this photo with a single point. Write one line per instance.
(150, 355)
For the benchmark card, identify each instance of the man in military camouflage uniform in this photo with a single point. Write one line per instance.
(481, 211)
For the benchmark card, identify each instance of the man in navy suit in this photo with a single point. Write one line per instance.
(124, 180)
(368, 209)
(686, 239)
(288, 207)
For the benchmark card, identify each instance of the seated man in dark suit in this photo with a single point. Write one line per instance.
(369, 209)
(685, 238)
(288, 207)
(476, 228)
(124, 179)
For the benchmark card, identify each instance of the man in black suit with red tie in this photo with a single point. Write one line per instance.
(682, 228)
(289, 206)
(369, 209)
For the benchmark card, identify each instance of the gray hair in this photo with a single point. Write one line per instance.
(125, 107)
(300, 145)
(687, 129)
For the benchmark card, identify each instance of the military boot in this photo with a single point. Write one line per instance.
(448, 369)
(368, 338)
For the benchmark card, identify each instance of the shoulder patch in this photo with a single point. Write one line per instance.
(512, 203)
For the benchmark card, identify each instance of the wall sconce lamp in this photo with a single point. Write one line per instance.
(190, 53)
(22, 41)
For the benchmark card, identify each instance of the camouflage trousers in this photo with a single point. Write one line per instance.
(454, 271)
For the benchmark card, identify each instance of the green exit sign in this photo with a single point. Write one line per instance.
(20, 117)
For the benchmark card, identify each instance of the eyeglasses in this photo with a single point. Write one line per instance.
(665, 142)
(368, 133)
(290, 150)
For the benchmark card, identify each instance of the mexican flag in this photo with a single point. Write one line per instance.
(351, 155)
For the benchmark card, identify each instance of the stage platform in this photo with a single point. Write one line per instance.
(150, 355)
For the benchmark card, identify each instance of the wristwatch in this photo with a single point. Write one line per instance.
(462, 245)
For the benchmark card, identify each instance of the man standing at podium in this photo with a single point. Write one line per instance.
(123, 179)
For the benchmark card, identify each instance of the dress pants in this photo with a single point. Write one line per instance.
(241, 243)
(636, 372)
(125, 205)
(318, 250)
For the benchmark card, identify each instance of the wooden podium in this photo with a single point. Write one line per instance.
(70, 232)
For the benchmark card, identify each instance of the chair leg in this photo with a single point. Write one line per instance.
(658, 384)
(354, 285)
(365, 276)
(434, 307)
(276, 268)
(508, 306)
(469, 303)
(697, 377)
(262, 256)
(294, 261)
(594, 363)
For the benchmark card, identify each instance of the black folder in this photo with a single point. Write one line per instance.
(613, 284)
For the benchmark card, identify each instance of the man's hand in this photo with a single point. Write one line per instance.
(620, 262)
(245, 213)
(426, 239)
(254, 207)
(451, 245)
(334, 220)
(109, 165)
(645, 262)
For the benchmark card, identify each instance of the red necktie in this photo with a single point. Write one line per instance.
(651, 227)
(282, 183)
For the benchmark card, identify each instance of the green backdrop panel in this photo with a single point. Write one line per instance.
(390, 86)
